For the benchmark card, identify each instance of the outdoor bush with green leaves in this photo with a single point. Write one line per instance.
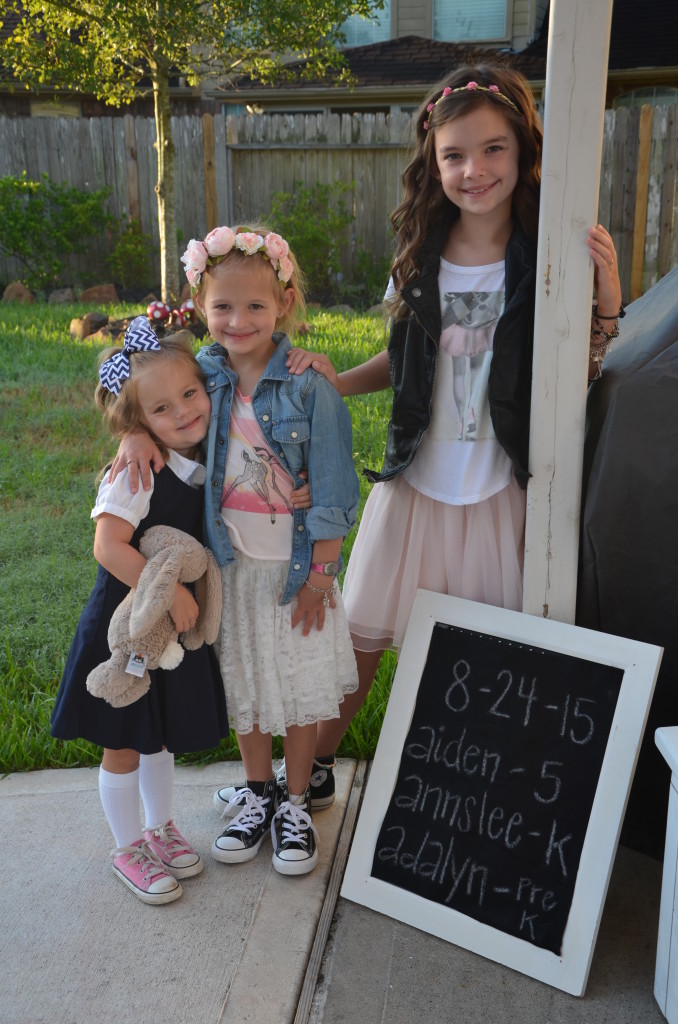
(131, 256)
(52, 446)
(42, 223)
(314, 220)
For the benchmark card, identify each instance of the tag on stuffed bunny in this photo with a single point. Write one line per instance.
(136, 666)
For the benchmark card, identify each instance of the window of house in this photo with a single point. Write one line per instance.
(457, 21)
(656, 95)
(365, 31)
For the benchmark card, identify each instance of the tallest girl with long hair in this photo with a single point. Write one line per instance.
(447, 512)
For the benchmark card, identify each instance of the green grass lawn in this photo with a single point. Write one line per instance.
(52, 445)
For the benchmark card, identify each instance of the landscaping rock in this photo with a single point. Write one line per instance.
(341, 308)
(100, 294)
(61, 296)
(82, 327)
(17, 292)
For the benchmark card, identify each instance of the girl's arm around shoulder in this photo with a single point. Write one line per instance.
(138, 453)
(372, 375)
(113, 550)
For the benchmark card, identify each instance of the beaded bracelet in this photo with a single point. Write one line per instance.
(598, 349)
(599, 316)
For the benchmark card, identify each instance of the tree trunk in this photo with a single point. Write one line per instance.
(167, 223)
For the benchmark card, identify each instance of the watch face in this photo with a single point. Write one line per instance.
(331, 568)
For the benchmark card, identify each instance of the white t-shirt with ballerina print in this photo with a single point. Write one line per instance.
(459, 460)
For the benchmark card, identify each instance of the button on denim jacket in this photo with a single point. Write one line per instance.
(307, 426)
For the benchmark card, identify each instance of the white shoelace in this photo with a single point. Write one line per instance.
(252, 814)
(296, 822)
(148, 861)
(174, 843)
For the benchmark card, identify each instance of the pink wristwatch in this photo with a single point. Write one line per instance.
(326, 568)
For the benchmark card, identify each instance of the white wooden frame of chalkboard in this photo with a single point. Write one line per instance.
(640, 664)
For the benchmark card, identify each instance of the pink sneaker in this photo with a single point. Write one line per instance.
(143, 872)
(173, 851)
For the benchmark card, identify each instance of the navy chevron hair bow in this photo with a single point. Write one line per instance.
(139, 337)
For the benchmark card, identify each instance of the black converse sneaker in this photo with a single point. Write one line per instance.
(322, 782)
(241, 840)
(322, 788)
(294, 836)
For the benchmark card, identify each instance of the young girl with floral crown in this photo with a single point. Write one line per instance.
(447, 512)
(158, 385)
(286, 655)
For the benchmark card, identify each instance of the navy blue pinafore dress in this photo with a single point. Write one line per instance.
(184, 709)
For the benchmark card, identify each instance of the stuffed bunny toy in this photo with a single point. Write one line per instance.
(141, 625)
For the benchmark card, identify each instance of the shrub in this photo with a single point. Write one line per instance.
(370, 278)
(42, 223)
(130, 259)
(313, 220)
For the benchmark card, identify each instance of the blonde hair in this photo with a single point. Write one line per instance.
(424, 203)
(122, 413)
(297, 309)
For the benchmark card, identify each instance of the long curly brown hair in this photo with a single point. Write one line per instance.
(424, 203)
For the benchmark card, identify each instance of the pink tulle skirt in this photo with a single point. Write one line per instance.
(407, 540)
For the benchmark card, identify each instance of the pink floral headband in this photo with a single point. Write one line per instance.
(470, 87)
(220, 241)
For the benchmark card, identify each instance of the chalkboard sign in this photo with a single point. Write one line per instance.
(495, 800)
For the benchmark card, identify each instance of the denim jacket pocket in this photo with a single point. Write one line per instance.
(291, 430)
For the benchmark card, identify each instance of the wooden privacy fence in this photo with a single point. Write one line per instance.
(227, 169)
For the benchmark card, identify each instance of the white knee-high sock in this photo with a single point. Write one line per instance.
(120, 801)
(156, 783)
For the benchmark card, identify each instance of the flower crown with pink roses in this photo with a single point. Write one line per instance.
(219, 242)
(493, 90)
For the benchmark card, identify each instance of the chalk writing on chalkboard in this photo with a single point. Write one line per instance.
(496, 781)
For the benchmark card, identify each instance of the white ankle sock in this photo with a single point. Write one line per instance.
(156, 783)
(120, 801)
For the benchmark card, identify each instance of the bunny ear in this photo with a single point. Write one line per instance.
(208, 596)
(210, 601)
(154, 592)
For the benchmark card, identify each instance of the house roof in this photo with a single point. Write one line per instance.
(403, 62)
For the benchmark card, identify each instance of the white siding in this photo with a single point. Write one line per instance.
(412, 18)
(528, 16)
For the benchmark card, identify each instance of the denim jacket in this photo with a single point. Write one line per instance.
(307, 426)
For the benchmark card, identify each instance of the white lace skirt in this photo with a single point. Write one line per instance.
(273, 675)
(407, 541)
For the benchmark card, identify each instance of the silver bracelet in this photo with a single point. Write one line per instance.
(325, 591)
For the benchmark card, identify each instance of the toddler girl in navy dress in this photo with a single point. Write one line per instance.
(156, 383)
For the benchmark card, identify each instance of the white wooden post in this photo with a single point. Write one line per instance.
(576, 75)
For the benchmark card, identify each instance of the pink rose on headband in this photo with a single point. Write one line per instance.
(193, 276)
(249, 242)
(195, 257)
(285, 269)
(219, 241)
(276, 247)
